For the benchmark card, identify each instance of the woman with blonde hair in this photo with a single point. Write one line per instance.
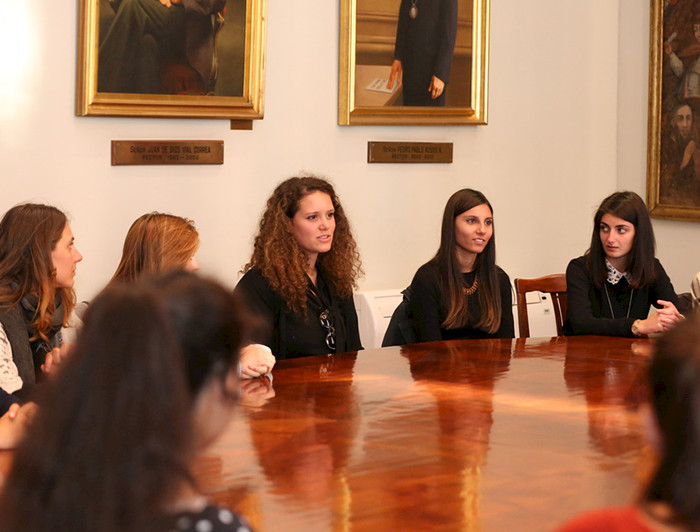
(38, 261)
(158, 242)
(302, 272)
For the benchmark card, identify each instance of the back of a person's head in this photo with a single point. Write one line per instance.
(674, 377)
(156, 242)
(114, 430)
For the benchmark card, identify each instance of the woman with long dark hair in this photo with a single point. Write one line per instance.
(38, 261)
(461, 293)
(611, 288)
(301, 275)
(670, 501)
(146, 387)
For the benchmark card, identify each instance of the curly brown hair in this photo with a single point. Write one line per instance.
(282, 261)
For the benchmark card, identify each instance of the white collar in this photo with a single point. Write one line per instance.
(614, 276)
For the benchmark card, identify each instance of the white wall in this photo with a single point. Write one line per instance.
(547, 157)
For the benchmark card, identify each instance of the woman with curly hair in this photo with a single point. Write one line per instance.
(159, 242)
(38, 260)
(303, 270)
(460, 292)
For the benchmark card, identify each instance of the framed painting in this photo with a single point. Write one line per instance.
(413, 62)
(171, 58)
(673, 159)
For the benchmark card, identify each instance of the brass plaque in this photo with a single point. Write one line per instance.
(409, 152)
(127, 152)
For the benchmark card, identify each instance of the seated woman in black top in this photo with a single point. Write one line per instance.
(151, 382)
(302, 273)
(461, 293)
(611, 287)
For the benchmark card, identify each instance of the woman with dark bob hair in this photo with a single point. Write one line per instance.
(671, 499)
(158, 242)
(460, 292)
(38, 260)
(146, 387)
(611, 287)
(301, 275)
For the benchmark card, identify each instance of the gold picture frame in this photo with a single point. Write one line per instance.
(673, 163)
(367, 39)
(179, 91)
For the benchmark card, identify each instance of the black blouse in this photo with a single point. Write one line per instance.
(612, 309)
(429, 310)
(289, 334)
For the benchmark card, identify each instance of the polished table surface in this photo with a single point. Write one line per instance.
(469, 435)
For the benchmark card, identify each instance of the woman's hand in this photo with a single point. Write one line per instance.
(14, 424)
(256, 360)
(55, 358)
(662, 320)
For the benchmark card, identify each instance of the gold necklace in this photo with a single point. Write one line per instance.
(469, 291)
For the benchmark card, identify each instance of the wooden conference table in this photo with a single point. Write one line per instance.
(490, 435)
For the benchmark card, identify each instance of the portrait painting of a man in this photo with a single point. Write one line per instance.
(679, 160)
(413, 53)
(425, 43)
(176, 47)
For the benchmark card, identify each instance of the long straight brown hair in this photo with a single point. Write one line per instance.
(28, 234)
(450, 271)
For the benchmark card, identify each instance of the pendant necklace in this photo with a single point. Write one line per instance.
(612, 312)
(413, 12)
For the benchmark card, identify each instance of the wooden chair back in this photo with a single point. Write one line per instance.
(555, 286)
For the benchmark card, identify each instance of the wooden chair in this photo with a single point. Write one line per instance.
(555, 286)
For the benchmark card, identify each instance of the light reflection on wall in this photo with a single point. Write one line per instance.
(18, 63)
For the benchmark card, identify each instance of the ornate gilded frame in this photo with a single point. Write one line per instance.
(249, 106)
(473, 114)
(661, 98)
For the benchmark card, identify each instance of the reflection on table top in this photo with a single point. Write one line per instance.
(465, 435)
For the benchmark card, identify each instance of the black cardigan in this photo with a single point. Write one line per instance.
(588, 308)
(289, 334)
(429, 310)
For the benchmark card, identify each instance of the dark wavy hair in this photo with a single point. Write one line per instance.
(450, 271)
(28, 234)
(630, 207)
(156, 242)
(674, 378)
(281, 259)
(114, 433)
